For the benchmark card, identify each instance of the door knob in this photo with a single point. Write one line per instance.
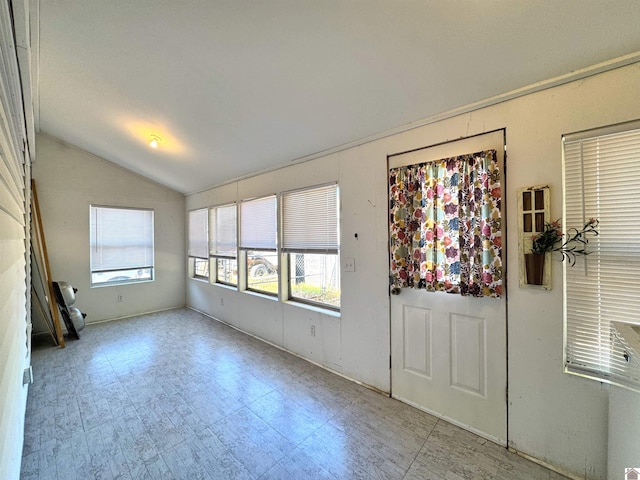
(395, 290)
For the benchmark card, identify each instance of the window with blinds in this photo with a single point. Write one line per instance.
(310, 220)
(198, 250)
(223, 243)
(602, 291)
(121, 245)
(258, 242)
(311, 240)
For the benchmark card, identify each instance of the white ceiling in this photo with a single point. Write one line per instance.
(238, 86)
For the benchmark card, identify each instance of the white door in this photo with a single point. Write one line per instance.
(448, 352)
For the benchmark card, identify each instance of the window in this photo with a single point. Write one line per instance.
(121, 245)
(223, 244)
(198, 246)
(310, 239)
(258, 242)
(602, 292)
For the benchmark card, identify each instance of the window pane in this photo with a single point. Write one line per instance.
(227, 269)
(262, 271)
(200, 268)
(310, 220)
(222, 229)
(315, 278)
(258, 223)
(122, 276)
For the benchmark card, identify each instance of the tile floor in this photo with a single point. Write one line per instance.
(176, 395)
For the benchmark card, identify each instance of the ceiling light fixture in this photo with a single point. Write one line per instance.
(155, 141)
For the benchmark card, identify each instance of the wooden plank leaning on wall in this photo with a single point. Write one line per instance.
(42, 258)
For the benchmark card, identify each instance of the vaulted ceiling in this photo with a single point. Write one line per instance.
(234, 87)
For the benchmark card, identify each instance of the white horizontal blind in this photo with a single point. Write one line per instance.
(258, 224)
(602, 180)
(198, 235)
(120, 238)
(223, 242)
(310, 220)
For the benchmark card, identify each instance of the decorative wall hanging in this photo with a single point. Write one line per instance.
(533, 219)
(540, 237)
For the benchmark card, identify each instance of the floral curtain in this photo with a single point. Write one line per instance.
(445, 225)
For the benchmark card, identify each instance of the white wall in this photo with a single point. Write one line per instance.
(557, 418)
(68, 180)
(624, 431)
(289, 326)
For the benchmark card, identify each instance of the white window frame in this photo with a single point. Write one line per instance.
(310, 224)
(601, 177)
(103, 263)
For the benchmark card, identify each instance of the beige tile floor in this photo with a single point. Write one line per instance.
(176, 395)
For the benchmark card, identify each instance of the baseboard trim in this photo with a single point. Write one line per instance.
(542, 463)
(280, 347)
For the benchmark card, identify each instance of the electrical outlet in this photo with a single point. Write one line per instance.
(349, 264)
(313, 330)
(27, 376)
(119, 298)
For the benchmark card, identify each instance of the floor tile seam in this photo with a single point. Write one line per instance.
(279, 457)
(358, 464)
(264, 421)
(160, 451)
(315, 460)
(223, 418)
(424, 443)
(284, 435)
(310, 413)
(85, 426)
(304, 409)
(116, 410)
(135, 435)
(404, 430)
(287, 456)
(381, 416)
(182, 465)
(169, 418)
(241, 398)
(374, 451)
(227, 450)
(152, 425)
(118, 376)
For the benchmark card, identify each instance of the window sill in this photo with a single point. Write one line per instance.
(118, 284)
(199, 279)
(314, 308)
(232, 288)
(261, 295)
